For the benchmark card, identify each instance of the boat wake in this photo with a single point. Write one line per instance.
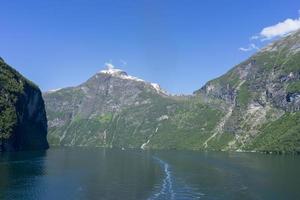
(166, 191)
(171, 188)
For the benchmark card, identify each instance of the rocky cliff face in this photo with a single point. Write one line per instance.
(272, 75)
(23, 122)
(107, 91)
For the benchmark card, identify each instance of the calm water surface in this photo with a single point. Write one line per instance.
(79, 173)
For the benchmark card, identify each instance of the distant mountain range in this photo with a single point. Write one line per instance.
(253, 107)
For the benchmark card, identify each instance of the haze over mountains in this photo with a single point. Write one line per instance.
(252, 107)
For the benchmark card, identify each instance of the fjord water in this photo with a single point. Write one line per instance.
(79, 173)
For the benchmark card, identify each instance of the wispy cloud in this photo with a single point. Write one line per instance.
(271, 32)
(123, 62)
(278, 30)
(251, 47)
(109, 65)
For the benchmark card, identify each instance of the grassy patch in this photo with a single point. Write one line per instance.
(244, 95)
(293, 87)
(282, 135)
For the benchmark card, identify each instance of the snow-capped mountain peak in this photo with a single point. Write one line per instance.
(158, 88)
(111, 70)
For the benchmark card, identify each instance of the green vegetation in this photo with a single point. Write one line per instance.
(281, 136)
(291, 63)
(245, 106)
(293, 87)
(221, 141)
(164, 121)
(243, 96)
(23, 122)
(230, 78)
(192, 121)
(11, 85)
(105, 118)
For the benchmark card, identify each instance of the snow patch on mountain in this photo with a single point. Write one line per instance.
(111, 70)
(157, 88)
(53, 90)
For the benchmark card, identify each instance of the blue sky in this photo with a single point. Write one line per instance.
(178, 44)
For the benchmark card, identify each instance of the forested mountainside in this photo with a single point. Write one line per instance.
(23, 122)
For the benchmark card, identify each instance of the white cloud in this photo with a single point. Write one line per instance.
(251, 47)
(109, 66)
(270, 32)
(278, 30)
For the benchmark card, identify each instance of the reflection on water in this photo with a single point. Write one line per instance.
(19, 172)
(79, 173)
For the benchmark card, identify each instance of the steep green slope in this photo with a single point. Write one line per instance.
(261, 92)
(280, 136)
(23, 123)
(165, 124)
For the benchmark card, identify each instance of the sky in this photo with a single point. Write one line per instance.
(179, 44)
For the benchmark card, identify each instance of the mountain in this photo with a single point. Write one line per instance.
(23, 122)
(263, 98)
(253, 107)
(114, 109)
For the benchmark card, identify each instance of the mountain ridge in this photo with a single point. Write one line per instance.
(232, 112)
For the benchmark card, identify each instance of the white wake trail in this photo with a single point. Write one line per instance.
(166, 191)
